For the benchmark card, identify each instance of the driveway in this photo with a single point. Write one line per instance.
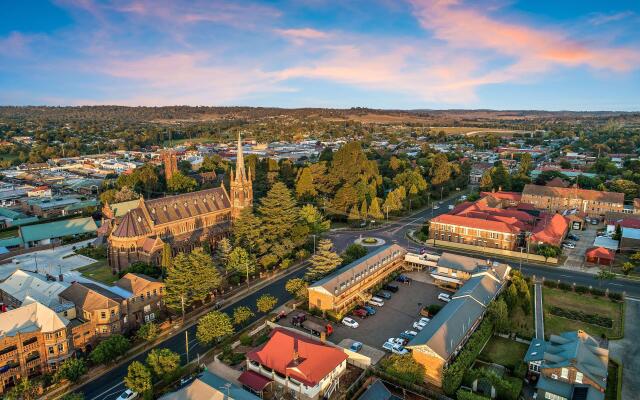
(397, 315)
(575, 257)
(627, 350)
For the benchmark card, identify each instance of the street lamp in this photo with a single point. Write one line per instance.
(314, 243)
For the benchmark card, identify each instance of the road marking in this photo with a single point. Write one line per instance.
(632, 299)
(566, 276)
(108, 390)
(616, 284)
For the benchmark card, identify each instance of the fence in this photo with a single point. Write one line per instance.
(498, 252)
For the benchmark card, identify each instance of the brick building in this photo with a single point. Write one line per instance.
(557, 199)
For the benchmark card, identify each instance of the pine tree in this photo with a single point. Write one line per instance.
(323, 262)
(304, 185)
(364, 210)
(354, 215)
(374, 210)
(223, 250)
(246, 230)
(167, 259)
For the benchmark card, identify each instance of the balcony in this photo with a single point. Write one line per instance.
(8, 353)
(35, 346)
(9, 372)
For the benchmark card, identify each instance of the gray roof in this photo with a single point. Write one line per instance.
(446, 331)
(460, 263)
(377, 391)
(631, 233)
(345, 273)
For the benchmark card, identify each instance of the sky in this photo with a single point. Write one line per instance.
(393, 54)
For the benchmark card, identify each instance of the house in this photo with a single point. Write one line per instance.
(557, 199)
(105, 310)
(550, 230)
(440, 341)
(209, 386)
(145, 302)
(25, 286)
(39, 191)
(349, 284)
(307, 368)
(630, 240)
(34, 340)
(599, 255)
(569, 366)
(453, 270)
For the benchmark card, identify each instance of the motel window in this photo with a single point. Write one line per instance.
(579, 377)
(103, 315)
(564, 373)
(51, 351)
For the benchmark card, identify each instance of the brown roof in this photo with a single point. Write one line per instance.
(135, 283)
(132, 224)
(557, 182)
(91, 297)
(636, 203)
(477, 223)
(584, 194)
(188, 205)
(550, 230)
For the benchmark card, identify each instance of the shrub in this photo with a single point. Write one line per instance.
(404, 368)
(564, 286)
(593, 319)
(581, 289)
(614, 296)
(246, 340)
(466, 395)
(551, 284)
(597, 292)
(148, 332)
(434, 308)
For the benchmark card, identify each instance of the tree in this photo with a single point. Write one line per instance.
(486, 182)
(498, 313)
(305, 188)
(353, 252)
(223, 250)
(138, 379)
(500, 177)
(71, 369)
(313, 218)
(547, 251)
(394, 163)
(297, 287)
(73, 396)
(167, 259)
(109, 349)
(214, 326)
(364, 210)
(163, 363)
(266, 303)
(180, 183)
(323, 262)
(191, 278)
(604, 275)
(354, 215)
(247, 229)
(411, 178)
(617, 235)
(240, 262)
(404, 367)
(627, 267)
(525, 164)
(25, 389)
(148, 332)
(374, 210)
(242, 314)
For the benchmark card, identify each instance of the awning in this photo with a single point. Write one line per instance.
(445, 278)
(254, 380)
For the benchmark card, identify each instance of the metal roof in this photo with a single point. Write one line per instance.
(57, 229)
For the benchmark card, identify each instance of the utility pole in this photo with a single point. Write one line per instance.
(314, 243)
(186, 342)
(387, 212)
(182, 305)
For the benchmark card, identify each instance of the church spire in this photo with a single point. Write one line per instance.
(241, 175)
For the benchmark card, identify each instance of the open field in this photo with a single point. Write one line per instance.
(505, 352)
(176, 142)
(470, 131)
(580, 302)
(99, 271)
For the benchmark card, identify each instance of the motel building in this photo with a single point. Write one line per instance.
(348, 285)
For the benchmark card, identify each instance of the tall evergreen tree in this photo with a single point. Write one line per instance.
(246, 230)
(167, 259)
(304, 185)
(486, 182)
(364, 211)
(374, 210)
(223, 250)
(323, 262)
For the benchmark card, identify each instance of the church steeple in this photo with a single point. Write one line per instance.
(240, 185)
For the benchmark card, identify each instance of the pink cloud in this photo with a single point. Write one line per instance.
(467, 28)
(301, 35)
(15, 45)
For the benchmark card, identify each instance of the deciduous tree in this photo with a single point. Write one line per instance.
(138, 379)
(241, 315)
(266, 303)
(214, 326)
(163, 363)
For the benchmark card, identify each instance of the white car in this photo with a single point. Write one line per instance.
(569, 245)
(350, 322)
(376, 302)
(395, 348)
(417, 326)
(396, 340)
(435, 206)
(451, 206)
(444, 297)
(424, 320)
(128, 395)
(411, 333)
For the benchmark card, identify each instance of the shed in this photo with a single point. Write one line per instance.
(599, 255)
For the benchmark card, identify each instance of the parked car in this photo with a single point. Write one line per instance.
(356, 346)
(376, 302)
(395, 348)
(451, 206)
(424, 320)
(384, 294)
(444, 297)
(411, 333)
(376, 298)
(128, 395)
(418, 327)
(463, 197)
(403, 279)
(569, 245)
(391, 288)
(187, 380)
(298, 319)
(405, 335)
(369, 309)
(435, 206)
(571, 236)
(594, 222)
(360, 312)
(350, 322)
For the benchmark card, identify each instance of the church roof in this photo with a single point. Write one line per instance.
(188, 205)
(132, 224)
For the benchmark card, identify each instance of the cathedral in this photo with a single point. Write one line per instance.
(184, 221)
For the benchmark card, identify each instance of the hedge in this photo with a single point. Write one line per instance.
(453, 374)
(592, 319)
(508, 389)
(466, 395)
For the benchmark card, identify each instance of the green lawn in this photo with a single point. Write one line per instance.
(580, 302)
(99, 271)
(505, 352)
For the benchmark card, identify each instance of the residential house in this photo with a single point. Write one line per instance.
(306, 368)
(630, 240)
(349, 284)
(569, 366)
(209, 386)
(145, 303)
(453, 270)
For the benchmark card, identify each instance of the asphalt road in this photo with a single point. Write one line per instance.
(111, 385)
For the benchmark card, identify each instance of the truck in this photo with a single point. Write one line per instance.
(317, 329)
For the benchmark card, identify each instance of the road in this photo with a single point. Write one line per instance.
(110, 385)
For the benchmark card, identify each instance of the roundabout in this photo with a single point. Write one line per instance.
(369, 241)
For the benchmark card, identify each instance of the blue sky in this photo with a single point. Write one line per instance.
(575, 55)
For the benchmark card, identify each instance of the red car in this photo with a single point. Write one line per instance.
(360, 313)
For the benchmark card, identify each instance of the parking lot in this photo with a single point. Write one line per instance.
(575, 257)
(397, 315)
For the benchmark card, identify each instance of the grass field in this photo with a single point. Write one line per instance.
(177, 142)
(505, 352)
(99, 271)
(469, 130)
(580, 302)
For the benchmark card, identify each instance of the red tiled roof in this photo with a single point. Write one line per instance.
(599, 252)
(254, 380)
(513, 196)
(476, 223)
(583, 194)
(550, 230)
(315, 360)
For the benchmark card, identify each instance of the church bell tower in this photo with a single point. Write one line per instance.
(240, 185)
